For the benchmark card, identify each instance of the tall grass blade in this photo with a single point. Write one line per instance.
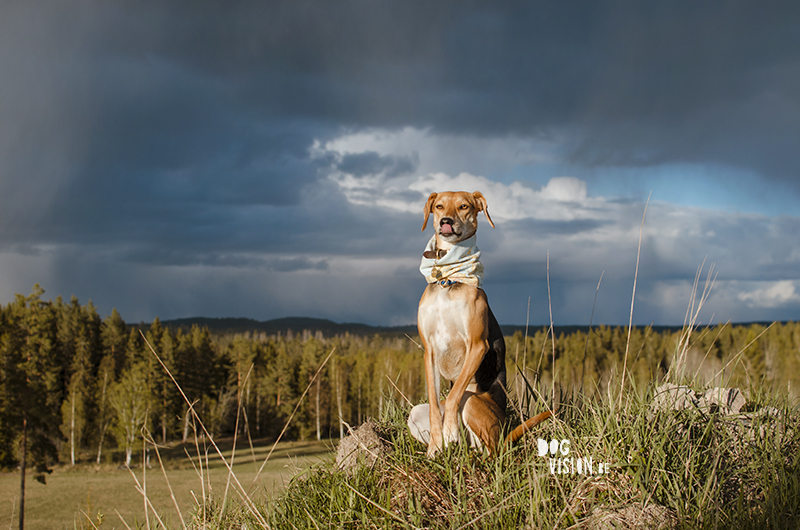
(166, 479)
(242, 492)
(291, 416)
(589, 331)
(633, 297)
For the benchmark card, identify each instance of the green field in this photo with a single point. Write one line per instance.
(108, 489)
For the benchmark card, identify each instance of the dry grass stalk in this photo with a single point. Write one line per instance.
(552, 333)
(166, 479)
(299, 401)
(242, 492)
(691, 319)
(738, 355)
(141, 487)
(633, 298)
(677, 370)
(244, 412)
(589, 331)
(708, 351)
(88, 518)
(394, 385)
(233, 449)
(122, 519)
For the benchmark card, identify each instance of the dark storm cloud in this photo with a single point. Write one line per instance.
(188, 133)
(638, 83)
(122, 103)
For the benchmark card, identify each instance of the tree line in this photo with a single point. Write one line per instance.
(78, 387)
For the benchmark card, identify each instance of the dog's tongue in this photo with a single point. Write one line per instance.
(447, 229)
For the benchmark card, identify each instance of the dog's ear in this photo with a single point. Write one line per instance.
(428, 209)
(480, 202)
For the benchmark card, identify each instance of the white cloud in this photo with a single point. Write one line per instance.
(587, 234)
(563, 198)
(771, 295)
(565, 189)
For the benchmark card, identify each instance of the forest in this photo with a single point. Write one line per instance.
(75, 387)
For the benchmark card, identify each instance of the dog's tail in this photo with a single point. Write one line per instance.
(517, 433)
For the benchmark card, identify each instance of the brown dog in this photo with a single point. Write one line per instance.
(462, 340)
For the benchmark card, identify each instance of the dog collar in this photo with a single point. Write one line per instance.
(434, 254)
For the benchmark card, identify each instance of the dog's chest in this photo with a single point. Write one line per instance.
(444, 325)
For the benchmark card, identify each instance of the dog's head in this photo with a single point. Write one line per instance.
(455, 214)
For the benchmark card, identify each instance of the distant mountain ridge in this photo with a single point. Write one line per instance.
(329, 328)
(284, 325)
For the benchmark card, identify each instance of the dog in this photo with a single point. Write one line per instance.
(461, 337)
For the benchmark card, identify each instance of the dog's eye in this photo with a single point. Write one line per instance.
(464, 206)
(439, 206)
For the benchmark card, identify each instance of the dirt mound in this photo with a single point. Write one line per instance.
(364, 446)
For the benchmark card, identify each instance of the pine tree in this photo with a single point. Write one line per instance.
(105, 412)
(134, 350)
(156, 378)
(338, 375)
(114, 337)
(200, 373)
(282, 385)
(78, 404)
(32, 381)
(11, 378)
(168, 396)
(311, 359)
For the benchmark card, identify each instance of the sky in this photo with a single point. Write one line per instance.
(271, 159)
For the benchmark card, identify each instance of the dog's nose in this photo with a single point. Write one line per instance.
(445, 221)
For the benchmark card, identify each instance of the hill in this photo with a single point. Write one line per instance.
(329, 328)
(283, 326)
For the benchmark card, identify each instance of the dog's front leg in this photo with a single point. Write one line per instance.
(433, 379)
(452, 406)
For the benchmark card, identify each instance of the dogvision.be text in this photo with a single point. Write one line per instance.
(565, 465)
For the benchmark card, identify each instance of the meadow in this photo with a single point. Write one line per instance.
(106, 496)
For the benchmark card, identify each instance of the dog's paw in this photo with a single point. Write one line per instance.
(434, 448)
(450, 433)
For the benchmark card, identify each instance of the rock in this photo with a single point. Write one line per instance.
(770, 412)
(728, 404)
(726, 400)
(364, 446)
(677, 397)
(754, 426)
(674, 397)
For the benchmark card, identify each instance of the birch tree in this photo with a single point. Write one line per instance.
(130, 398)
(105, 378)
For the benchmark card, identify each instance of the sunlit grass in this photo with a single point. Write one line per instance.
(688, 469)
(107, 489)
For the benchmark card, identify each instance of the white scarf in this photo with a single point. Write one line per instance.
(461, 263)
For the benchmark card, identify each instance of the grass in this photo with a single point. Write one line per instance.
(661, 468)
(189, 492)
(688, 468)
(72, 496)
(678, 469)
